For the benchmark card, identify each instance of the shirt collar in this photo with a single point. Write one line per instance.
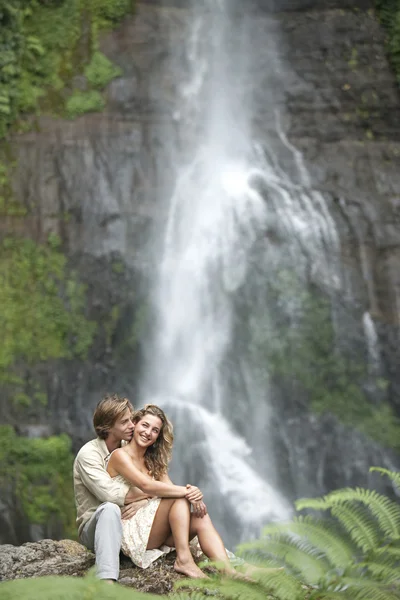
(104, 450)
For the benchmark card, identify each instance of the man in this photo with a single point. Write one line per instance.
(98, 497)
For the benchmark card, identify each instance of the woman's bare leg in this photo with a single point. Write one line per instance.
(210, 541)
(171, 523)
(160, 530)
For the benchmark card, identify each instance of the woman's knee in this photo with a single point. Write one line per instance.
(200, 523)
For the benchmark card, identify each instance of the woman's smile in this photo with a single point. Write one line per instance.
(147, 430)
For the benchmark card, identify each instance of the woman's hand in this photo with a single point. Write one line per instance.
(193, 494)
(199, 509)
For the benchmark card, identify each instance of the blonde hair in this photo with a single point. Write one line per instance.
(159, 454)
(107, 412)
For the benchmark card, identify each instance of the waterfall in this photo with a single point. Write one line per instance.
(371, 337)
(231, 200)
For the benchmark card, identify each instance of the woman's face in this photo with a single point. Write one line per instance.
(147, 430)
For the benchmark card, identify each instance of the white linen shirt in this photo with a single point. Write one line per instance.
(92, 484)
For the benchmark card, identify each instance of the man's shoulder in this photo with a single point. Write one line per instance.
(91, 448)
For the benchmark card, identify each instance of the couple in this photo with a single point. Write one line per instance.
(125, 499)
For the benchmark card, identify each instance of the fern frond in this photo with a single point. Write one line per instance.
(240, 590)
(321, 535)
(386, 512)
(383, 572)
(312, 503)
(392, 551)
(359, 525)
(365, 589)
(394, 476)
(262, 562)
(192, 595)
(297, 554)
(280, 584)
(342, 595)
(233, 588)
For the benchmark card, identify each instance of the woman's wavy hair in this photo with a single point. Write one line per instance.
(159, 454)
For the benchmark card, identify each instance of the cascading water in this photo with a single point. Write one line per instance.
(230, 196)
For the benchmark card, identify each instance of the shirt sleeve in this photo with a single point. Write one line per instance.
(96, 479)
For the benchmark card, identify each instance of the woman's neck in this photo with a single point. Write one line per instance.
(136, 451)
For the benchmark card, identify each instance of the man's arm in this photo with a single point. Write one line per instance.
(96, 479)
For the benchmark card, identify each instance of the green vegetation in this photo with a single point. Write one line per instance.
(44, 45)
(8, 205)
(100, 71)
(389, 15)
(352, 554)
(42, 312)
(83, 102)
(302, 353)
(68, 588)
(38, 476)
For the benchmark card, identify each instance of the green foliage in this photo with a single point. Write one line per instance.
(42, 309)
(111, 11)
(303, 350)
(353, 554)
(389, 14)
(8, 205)
(37, 472)
(68, 588)
(100, 71)
(83, 102)
(394, 476)
(43, 45)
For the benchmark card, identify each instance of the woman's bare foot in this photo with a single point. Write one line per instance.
(189, 568)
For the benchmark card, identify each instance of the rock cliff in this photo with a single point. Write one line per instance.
(95, 182)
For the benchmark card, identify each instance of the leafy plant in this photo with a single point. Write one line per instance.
(42, 314)
(37, 475)
(352, 554)
(68, 588)
(43, 46)
(83, 102)
(389, 14)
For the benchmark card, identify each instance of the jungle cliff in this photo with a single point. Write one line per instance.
(90, 186)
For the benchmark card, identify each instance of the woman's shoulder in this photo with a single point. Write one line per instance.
(120, 453)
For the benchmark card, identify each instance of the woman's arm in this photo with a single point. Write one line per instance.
(199, 508)
(120, 463)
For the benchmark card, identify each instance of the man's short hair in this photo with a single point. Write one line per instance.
(107, 412)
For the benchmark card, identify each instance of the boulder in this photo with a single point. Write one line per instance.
(69, 558)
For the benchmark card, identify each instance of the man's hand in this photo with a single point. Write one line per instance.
(199, 509)
(129, 510)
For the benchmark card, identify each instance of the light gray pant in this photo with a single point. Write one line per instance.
(103, 534)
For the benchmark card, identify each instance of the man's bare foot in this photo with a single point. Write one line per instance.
(189, 568)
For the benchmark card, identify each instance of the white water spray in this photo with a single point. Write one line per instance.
(228, 196)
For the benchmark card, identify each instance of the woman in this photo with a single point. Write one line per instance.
(166, 520)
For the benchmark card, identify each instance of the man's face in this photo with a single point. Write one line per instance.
(122, 428)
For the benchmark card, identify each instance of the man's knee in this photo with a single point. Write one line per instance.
(109, 510)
